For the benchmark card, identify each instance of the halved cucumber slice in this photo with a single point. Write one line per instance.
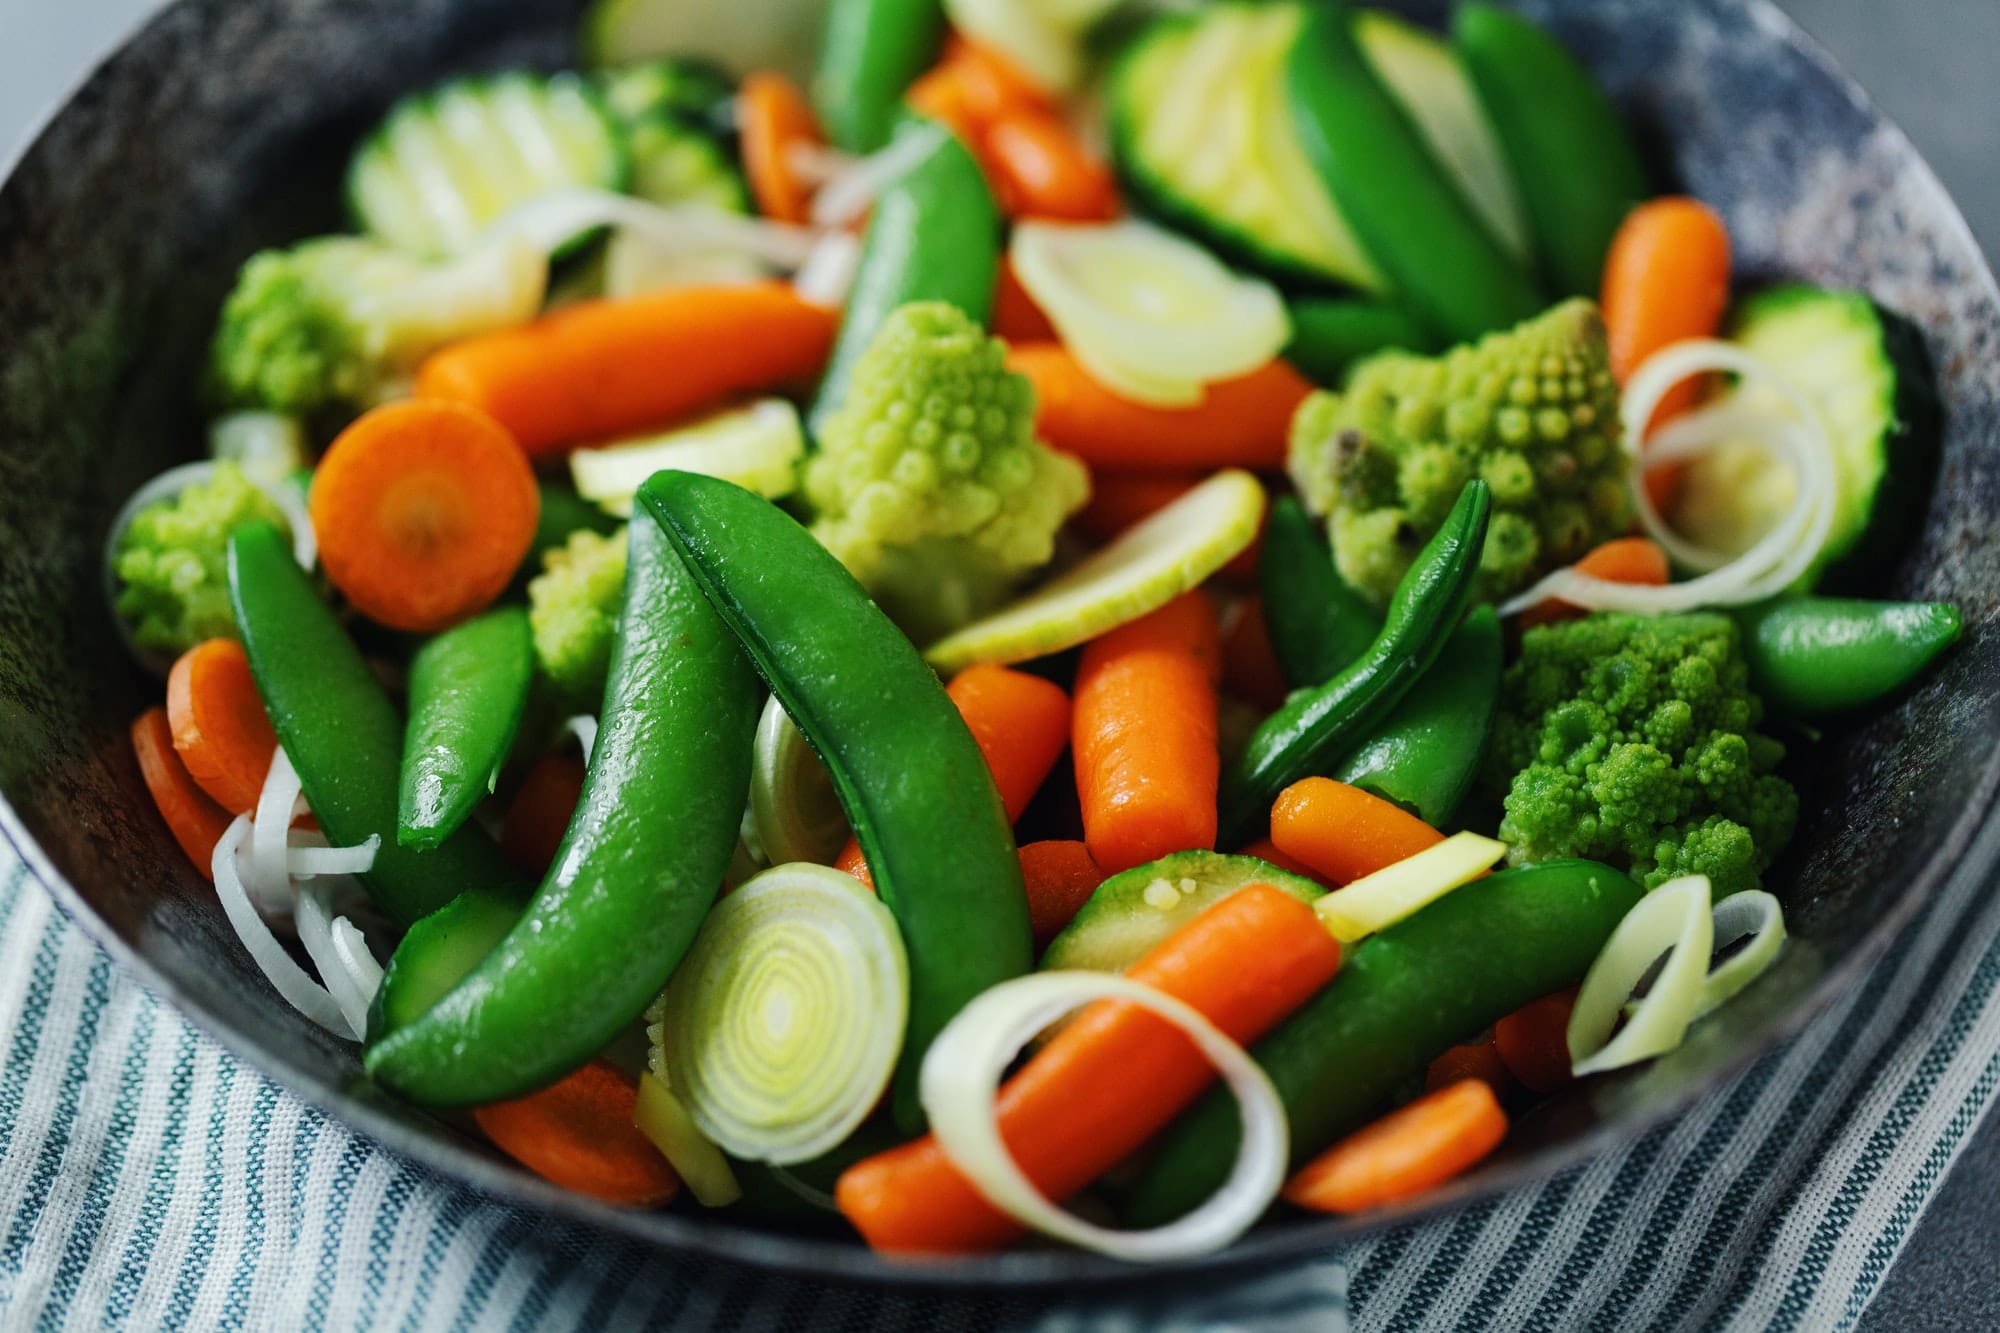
(793, 805)
(1148, 566)
(1133, 913)
(758, 447)
(447, 162)
(740, 36)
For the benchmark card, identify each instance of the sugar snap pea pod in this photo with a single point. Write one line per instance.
(468, 688)
(916, 789)
(1318, 726)
(638, 868)
(1578, 170)
(341, 732)
(1811, 656)
(1444, 264)
(1401, 997)
(1331, 333)
(1316, 622)
(934, 235)
(872, 52)
(1426, 755)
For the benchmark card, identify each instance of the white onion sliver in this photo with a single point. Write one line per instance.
(1755, 914)
(1676, 916)
(350, 946)
(551, 219)
(584, 727)
(277, 804)
(315, 920)
(305, 861)
(961, 1076)
(817, 163)
(286, 977)
(845, 197)
(828, 274)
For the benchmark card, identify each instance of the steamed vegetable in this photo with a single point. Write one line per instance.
(873, 50)
(468, 688)
(1317, 623)
(1131, 914)
(1412, 1149)
(191, 815)
(1666, 278)
(758, 447)
(579, 1133)
(220, 729)
(1811, 656)
(1341, 833)
(171, 560)
(573, 613)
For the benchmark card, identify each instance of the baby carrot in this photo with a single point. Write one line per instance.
(1040, 169)
(994, 86)
(1242, 422)
(196, 822)
(540, 812)
(1534, 1041)
(1266, 850)
(599, 368)
(1474, 1059)
(578, 1133)
(1110, 1079)
(1060, 877)
(772, 117)
(1622, 560)
(1343, 832)
(1406, 1152)
(1016, 317)
(424, 511)
(221, 730)
(1144, 735)
(1249, 667)
(1666, 278)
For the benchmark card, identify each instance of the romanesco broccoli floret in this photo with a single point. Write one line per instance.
(340, 321)
(1632, 739)
(573, 607)
(172, 560)
(928, 483)
(1533, 410)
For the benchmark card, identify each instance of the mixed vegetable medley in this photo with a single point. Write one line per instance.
(1113, 616)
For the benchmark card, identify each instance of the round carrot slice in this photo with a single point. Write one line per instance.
(579, 1134)
(196, 822)
(220, 727)
(772, 115)
(423, 511)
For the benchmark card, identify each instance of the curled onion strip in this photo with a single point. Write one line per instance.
(844, 197)
(279, 802)
(782, 1025)
(315, 917)
(584, 727)
(1755, 915)
(286, 977)
(795, 814)
(549, 220)
(310, 857)
(960, 1081)
(828, 273)
(1676, 916)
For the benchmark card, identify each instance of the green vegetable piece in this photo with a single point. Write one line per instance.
(1316, 622)
(690, 89)
(1331, 334)
(637, 870)
(437, 953)
(916, 788)
(1317, 726)
(1133, 912)
(1632, 740)
(171, 561)
(1429, 752)
(1532, 410)
(1401, 997)
(573, 608)
(928, 483)
(934, 235)
(1579, 172)
(872, 51)
(1440, 258)
(741, 36)
(341, 731)
(468, 687)
(1812, 656)
(677, 163)
(803, 1193)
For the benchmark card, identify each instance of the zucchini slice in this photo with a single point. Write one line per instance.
(1132, 913)
(740, 36)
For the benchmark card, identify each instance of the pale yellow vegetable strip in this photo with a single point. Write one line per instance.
(1394, 892)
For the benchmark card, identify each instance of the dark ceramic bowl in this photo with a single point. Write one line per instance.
(223, 125)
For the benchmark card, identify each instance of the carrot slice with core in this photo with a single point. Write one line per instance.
(221, 730)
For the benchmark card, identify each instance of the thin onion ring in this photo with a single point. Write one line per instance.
(286, 977)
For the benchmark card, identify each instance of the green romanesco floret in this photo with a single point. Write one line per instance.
(573, 607)
(1533, 410)
(340, 322)
(172, 560)
(928, 483)
(1632, 740)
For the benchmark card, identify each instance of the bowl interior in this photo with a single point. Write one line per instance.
(224, 125)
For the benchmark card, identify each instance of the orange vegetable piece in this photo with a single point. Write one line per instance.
(772, 118)
(1534, 1041)
(1343, 832)
(1405, 1153)
(578, 1133)
(539, 815)
(1474, 1059)
(221, 730)
(1060, 877)
(1623, 560)
(196, 822)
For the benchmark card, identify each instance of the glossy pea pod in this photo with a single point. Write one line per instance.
(915, 786)
(1317, 623)
(873, 50)
(1402, 996)
(639, 866)
(340, 730)
(1812, 656)
(468, 689)
(1330, 334)
(1317, 727)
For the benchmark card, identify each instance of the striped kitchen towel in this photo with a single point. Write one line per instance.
(149, 1181)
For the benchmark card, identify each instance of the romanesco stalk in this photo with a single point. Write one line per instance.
(573, 608)
(1532, 409)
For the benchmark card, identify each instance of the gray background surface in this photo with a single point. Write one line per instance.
(1928, 63)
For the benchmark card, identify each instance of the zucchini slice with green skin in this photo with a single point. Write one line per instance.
(1133, 913)
(437, 953)
(1868, 372)
(446, 163)
(1202, 133)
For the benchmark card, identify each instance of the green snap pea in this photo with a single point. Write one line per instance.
(638, 868)
(872, 52)
(1399, 1000)
(1316, 622)
(340, 730)
(468, 689)
(1811, 656)
(1318, 726)
(1427, 754)
(915, 787)
(1330, 334)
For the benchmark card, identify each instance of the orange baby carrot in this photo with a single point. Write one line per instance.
(600, 368)
(1622, 560)
(1474, 1059)
(1249, 666)
(1406, 1152)
(1040, 169)
(1110, 1079)
(1343, 832)
(221, 730)
(773, 117)
(1060, 877)
(1666, 278)
(539, 815)
(1144, 735)
(579, 1134)
(196, 822)
(1266, 850)
(1534, 1041)
(1242, 422)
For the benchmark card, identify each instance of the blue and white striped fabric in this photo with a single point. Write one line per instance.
(148, 1181)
